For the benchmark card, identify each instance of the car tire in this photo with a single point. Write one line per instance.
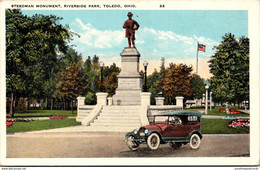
(153, 141)
(194, 141)
(132, 145)
(175, 145)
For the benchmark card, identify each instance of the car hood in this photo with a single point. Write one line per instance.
(157, 127)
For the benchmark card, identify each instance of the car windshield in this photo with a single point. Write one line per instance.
(160, 119)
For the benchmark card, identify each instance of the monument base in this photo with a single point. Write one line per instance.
(129, 79)
(127, 97)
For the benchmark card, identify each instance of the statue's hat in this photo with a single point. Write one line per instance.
(129, 14)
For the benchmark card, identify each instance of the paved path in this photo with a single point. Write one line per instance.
(111, 144)
(212, 117)
(245, 111)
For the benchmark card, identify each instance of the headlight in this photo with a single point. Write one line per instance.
(135, 131)
(146, 131)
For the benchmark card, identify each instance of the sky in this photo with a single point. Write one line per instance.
(171, 34)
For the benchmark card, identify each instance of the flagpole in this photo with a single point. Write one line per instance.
(197, 59)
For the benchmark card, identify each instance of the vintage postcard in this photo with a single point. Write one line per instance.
(129, 83)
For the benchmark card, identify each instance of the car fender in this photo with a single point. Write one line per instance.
(195, 132)
(130, 134)
(154, 131)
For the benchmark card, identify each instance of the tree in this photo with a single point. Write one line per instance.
(110, 78)
(197, 86)
(230, 69)
(153, 84)
(31, 52)
(154, 81)
(70, 57)
(71, 83)
(64, 60)
(162, 66)
(87, 65)
(91, 71)
(176, 82)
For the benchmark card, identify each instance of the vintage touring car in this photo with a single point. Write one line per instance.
(175, 128)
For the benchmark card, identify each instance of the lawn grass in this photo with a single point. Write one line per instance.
(208, 126)
(215, 111)
(194, 109)
(220, 126)
(41, 125)
(45, 113)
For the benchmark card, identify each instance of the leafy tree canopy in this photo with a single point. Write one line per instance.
(197, 86)
(230, 69)
(176, 81)
(32, 44)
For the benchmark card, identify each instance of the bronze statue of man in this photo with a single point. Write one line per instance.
(130, 26)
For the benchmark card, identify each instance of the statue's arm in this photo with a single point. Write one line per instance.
(137, 25)
(124, 26)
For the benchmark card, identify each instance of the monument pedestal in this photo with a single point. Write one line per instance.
(129, 79)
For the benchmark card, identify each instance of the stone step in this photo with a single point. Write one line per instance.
(121, 110)
(83, 117)
(126, 112)
(84, 111)
(114, 117)
(119, 115)
(117, 118)
(87, 107)
(122, 107)
(83, 114)
(79, 119)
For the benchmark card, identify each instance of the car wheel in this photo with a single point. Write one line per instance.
(153, 141)
(175, 145)
(194, 141)
(133, 146)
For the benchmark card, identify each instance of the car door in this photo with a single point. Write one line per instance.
(174, 130)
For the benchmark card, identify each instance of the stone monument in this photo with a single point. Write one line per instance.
(129, 79)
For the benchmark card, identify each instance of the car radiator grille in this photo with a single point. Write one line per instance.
(141, 133)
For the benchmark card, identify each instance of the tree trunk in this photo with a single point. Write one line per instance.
(11, 105)
(64, 105)
(46, 103)
(15, 110)
(71, 105)
(51, 103)
(28, 103)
